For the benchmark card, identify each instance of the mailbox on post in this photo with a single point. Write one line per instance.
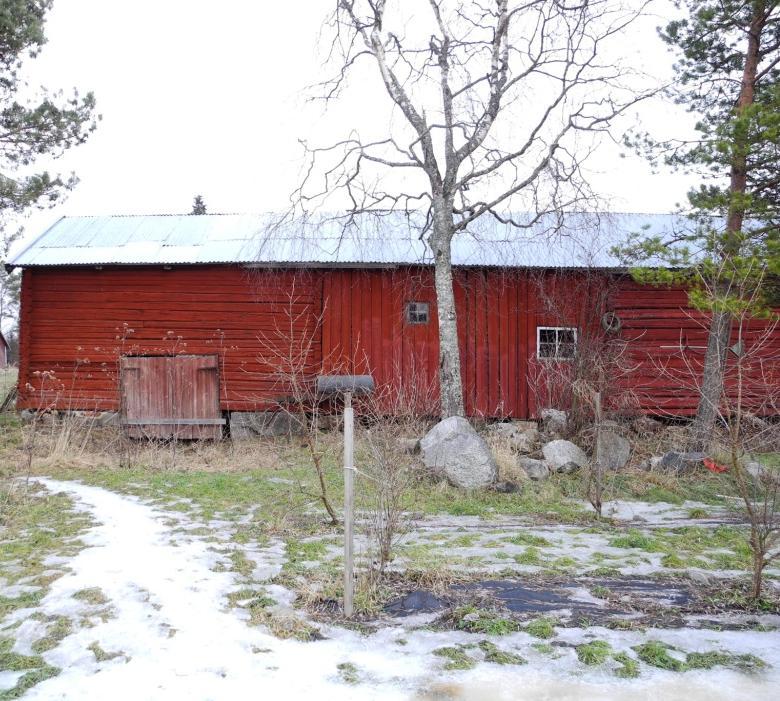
(345, 386)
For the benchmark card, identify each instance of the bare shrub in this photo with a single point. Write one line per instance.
(747, 439)
(601, 362)
(389, 472)
(288, 351)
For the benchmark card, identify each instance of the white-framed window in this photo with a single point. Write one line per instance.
(417, 312)
(556, 342)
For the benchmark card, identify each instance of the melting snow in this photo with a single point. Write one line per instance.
(178, 640)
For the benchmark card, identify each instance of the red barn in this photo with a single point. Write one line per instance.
(188, 318)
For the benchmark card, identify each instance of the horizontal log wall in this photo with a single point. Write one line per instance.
(77, 322)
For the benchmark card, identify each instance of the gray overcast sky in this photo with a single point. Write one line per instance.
(205, 97)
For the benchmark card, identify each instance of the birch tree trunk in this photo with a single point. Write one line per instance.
(450, 381)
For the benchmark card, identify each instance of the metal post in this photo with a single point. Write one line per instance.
(349, 503)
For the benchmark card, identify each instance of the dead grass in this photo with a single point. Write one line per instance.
(506, 460)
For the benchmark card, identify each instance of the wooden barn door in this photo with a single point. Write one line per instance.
(171, 396)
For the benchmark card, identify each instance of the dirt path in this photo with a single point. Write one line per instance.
(168, 634)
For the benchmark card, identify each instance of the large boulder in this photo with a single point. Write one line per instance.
(536, 470)
(558, 453)
(453, 449)
(613, 451)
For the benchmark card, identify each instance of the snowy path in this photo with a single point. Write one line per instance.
(178, 640)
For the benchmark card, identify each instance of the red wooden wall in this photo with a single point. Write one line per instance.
(77, 322)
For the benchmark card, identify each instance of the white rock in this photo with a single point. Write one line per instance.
(453, 449)
(558, 453)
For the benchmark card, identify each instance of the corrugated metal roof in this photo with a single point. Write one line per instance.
(584, 240)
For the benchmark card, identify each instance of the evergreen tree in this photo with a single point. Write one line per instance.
(30, 129)
(198, 205)
(727, 74)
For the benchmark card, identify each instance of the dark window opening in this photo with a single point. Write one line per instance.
(417, 312)
(556, 343)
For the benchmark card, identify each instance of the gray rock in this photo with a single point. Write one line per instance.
(26, 415)
(554, 420)
(558, 453)
(754, 469)
(568, 468)
(453, 449)
(613, 450)
(680, 463)
(267, 424)
(537, 470)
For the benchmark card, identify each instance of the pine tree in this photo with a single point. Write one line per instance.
(29, 130)
(198, 205)
(728, 69)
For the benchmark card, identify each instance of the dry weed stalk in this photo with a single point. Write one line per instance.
(601, 362)
(289, 351)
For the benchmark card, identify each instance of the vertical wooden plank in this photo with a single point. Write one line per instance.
(376, 328)
(346, 322)
(481, 355)
(326, 314)
(492, 312)
(398, 278)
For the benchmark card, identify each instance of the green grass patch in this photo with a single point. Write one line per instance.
(348, 672)
(629, 667)
(593, 653)
(474, 620)
(35, 668)
(101, 655)
(718, 658)
(58, 629)
(530, 556)
(456, 658)
(543, 628)
(524, 538)
(495, 655)
(93, 596)
(656, 654)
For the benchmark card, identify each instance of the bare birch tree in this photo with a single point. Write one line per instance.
(500, 103)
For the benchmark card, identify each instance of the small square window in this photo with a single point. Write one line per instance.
(417, 312)
(556, 343)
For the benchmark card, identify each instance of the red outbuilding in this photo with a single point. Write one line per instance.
(188, 318)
